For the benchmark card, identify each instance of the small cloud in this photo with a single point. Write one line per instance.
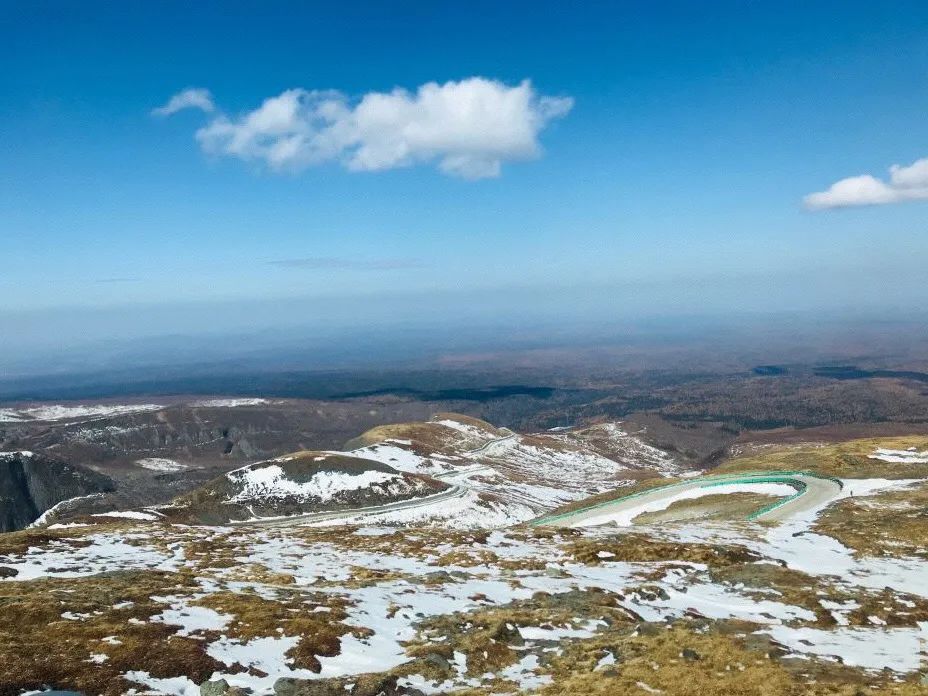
(905, 183)
(317, 263)
(190, 98)
(467, 128)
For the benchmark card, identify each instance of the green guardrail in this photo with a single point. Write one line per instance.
(719, 480)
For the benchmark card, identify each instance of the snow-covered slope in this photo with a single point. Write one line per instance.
(538, 472)
(300, 484)
(452, 471)
(58, 412)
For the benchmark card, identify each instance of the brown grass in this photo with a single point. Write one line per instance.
(894, 523)
(731, 506)
(846, 459)
(289, 614)
(640, 548)
(39, 647)
(720, 661)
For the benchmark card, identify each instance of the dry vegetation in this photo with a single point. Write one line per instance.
(710, 507)
(39, 646)
(893, 523)
(807, 591)
(86, 633)
(846, 460)
(793, 400)
(698, 658)
(427, 437)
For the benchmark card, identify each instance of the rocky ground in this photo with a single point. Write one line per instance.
(835, 602)
(31, 484)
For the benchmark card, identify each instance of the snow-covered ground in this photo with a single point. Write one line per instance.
(897, 649)
(489, 572)
(630, 448)
(17, 453)
(229, 403)
(906, 456)
(509, 478)
(270, 481)
(467, 511)
(390, 582)
(536, 472)
(58, 412)
(160, 464)
(128, 515)
(60, 507)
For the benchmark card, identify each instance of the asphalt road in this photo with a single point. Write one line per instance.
(811, 492)
(451, 493)
(457, 478)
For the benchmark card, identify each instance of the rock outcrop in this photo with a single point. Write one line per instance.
(30, 484)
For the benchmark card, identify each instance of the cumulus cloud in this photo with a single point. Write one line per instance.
(905, 183)
(190, 98)
(467, 128)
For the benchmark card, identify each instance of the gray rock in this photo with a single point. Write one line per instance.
(647, 629)
(375, 685)
(506, 633)
(221, 687)
(30, 484)
(10, 573)
(363, 685)
(307, 687)
(437, 577)
(214, 688)
(438, 661)
(690, 655)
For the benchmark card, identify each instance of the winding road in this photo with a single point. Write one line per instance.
(456, 478)
(811, 492)
(451, 493)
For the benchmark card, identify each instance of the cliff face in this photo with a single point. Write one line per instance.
(30, 484)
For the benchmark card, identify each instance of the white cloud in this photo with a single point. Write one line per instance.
(468, 128)
(190, 98)
(905, 184)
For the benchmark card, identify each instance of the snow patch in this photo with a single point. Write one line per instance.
(228, 403)
(160, 464)
(271, 482)
(58, 412)
(129, 515)
(907, 456)
(897, 649)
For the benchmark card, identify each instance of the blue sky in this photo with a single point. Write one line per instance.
(688, 136)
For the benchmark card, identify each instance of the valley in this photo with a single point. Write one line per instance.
(450, 555)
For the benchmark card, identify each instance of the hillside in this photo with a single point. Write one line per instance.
(487, 477)
(31, 484)
(829, 601)
(298, 484)
(530, 472)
